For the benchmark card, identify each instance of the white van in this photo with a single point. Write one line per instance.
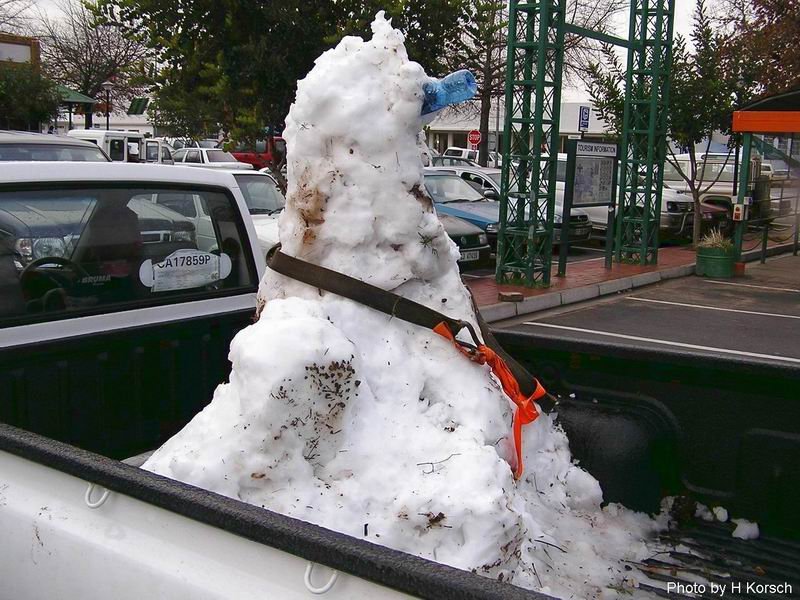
(118, 144)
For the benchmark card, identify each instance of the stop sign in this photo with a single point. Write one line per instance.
(474, 137)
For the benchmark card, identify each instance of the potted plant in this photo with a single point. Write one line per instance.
(715, 255)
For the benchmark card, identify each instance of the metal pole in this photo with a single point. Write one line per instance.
(744, 176)
(108, 99)
(569, 189)
(735, 169)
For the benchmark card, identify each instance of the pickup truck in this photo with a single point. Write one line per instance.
(91, 381)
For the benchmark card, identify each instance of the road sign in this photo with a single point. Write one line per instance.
(474, 137)
(583, 118)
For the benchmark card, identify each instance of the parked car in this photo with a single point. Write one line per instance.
(157, 151)
(457, 152)
(213, 158)
(452, 161)
(455, 196)
(264, 201)
(179, 143)
(677, 210)
(494, 160)
(425, 152)
(779, 169)
(473, 243)
(116, 143)
(262, 153)
(24, 146)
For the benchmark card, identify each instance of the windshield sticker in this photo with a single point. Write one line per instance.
(185, 269)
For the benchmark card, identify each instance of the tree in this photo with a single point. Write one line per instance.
(432, 28)
(13, 14)
(26, 97)
(484, 41)
(233, 66)
(701, 101)
(763, 36)
(81, 53)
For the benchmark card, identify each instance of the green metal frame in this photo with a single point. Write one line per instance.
(530, 141)
(644, 134)
(531, 134)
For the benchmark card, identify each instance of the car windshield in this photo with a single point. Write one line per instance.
(218, 156)
(207, 143)
(451, 188)
(261, 194)
(53, 152)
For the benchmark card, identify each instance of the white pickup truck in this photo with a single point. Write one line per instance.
(115, 324)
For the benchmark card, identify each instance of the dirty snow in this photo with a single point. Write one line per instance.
(341, 416)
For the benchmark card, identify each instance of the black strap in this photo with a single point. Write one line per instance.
(363, 293)
(396, 306)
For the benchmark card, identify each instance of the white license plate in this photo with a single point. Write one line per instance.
(469, 255)
(582, 231)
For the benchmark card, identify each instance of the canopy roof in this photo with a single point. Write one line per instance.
(69, 96)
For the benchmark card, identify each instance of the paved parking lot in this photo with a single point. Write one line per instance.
(757, 315)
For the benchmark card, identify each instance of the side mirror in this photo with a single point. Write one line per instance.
(491, 194)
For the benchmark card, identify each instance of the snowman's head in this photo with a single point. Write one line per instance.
(356, 199)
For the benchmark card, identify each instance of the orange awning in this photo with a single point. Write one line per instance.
(766, 121)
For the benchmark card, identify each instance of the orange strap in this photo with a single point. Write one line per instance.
(526, 409)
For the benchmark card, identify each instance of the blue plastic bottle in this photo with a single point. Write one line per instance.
(452, 89)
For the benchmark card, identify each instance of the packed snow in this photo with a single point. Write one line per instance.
(745, 530)
(342, 416)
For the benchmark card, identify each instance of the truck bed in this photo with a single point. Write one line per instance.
(647, 424)
(707, 550)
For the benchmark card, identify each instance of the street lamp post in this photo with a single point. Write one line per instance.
(108, 86)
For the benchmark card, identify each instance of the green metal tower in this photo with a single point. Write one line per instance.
(643, 140)
(530, 142)
(531, 134)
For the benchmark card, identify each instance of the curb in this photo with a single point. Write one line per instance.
(509, 310)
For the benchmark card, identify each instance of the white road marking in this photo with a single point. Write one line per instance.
(747, 285)
(573, 247)
(665, 342)
(735, 310)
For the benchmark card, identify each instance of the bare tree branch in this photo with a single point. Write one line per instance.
(80, 53)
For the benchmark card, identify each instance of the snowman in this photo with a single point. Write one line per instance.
(361, 422)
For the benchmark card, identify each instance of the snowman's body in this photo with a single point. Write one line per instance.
(342, 416)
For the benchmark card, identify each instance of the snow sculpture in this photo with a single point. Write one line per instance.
(339, 415)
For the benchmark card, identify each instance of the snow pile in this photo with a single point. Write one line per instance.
(341, 416)
(745, 530)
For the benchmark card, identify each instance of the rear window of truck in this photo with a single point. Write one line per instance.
(74, 251)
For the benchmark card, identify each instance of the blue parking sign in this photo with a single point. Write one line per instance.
(583, 118)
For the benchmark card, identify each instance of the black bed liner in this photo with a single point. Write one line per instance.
(707, 550)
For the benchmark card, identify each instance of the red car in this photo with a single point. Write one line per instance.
(261, 153)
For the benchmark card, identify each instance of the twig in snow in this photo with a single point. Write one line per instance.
(533, 564)
(437, 462)
(553, 545)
